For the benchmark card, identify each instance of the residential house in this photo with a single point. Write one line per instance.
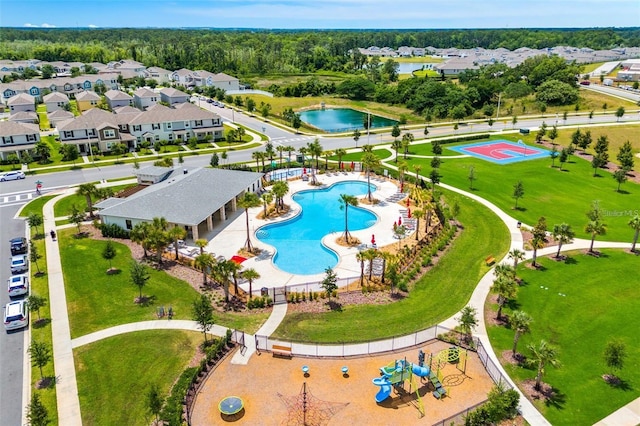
(126, 68)
(87, 100)
(175, 124)
(126, 110)
(173, 96)
(456, 65)
(10, 66)
(64, 68)
(183, 77)
(177, 190)
(17, 137)
(67, 85)
(117, 98)
(143, 98)
(24, 117)
(21, 102)
(224, 81)
(55, 101)
(58, 116)
(95, 127)
(160, 75)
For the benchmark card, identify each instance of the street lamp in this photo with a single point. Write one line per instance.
(368, 125)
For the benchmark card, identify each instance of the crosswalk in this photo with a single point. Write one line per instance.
(286, 141)
(17, 198)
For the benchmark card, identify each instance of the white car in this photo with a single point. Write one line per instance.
(18, 285)
(19, 264)
(14, 175)
(16, 315)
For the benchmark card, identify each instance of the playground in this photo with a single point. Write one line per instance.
(275, 390)
(501, 151)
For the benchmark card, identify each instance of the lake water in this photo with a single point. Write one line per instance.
(408, 67)
(335, 120)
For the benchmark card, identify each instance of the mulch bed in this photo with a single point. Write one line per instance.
(343, 299)
(528, 389)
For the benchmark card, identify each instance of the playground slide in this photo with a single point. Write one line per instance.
(420, 371)
(385, 388)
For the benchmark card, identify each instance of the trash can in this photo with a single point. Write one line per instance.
(264, 291)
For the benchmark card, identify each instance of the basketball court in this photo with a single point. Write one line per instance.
(501, 151)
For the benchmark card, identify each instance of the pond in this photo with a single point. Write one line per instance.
(335, 120)
(408, 67)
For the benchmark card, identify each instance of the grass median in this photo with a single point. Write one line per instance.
(578, 306)
(442, 292)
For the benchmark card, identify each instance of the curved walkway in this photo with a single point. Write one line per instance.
(67, 392)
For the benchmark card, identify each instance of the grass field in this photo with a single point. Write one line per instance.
(442, 292)
(599, 306)
(63, 206)
(115, 375)
(35, 206)
(560, 196)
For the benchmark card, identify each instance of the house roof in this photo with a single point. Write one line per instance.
(224, 77)
(21, 99)
(162, 114)
(126, 110)
(88, 95)
(155, 171)
(24, 116)
(91, 119)
(143, 92)
(181, 199)
(60, 114)
(12, 128)
(55, 97)
(172, 93)
(117, 95)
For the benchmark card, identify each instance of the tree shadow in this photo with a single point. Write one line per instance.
(623, 192)
(570, 261)
(41, 323)
(47, 382)
(555, 398)
(114, 271)
(513, 304)
(335, 306)
(618, 383)
(81, 235)
(145, 301)
(40, 274)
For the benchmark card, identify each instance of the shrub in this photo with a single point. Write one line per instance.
(501, 405)
(113, 230)
(402, 285)
(172, 410)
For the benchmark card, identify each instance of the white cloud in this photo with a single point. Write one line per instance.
(45, 25)
(92, 26)
(28, 25)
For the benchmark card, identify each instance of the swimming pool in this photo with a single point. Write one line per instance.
(298, 241)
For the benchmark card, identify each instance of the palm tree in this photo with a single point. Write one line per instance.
(326, 154)
(220, 273)
(204, 262)
(158, 237)
(259, 156)
(517, 255)
(418, 214)
(506, 288)
(315, 149)
(369, 161)
(234, 270)
(347, 200)
(634, 223)
(417, 168)
(303, 152)
(543, 354)
(340, 152)
(201, 244)
(595, 227)
(88, 190)
(370, 255)
(248, 200)
(266, 198)
(504, 270)
(468, 320)
(563, 234)
(289, 150)
(177, 233)
(537, 242)
(396, 145)
(402, 169)
(140, 233)
(360, 257)
(520, 323)
(250, 275)
(407, 139)
(279, 190)
(281, 149)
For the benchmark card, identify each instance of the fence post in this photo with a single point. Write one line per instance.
(255, 338)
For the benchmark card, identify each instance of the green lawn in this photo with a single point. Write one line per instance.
(598, 307)
(356, 156)
(63, 206)
(114, 375)
(96, 300)
(559, 196)
(439, 294)
(35, 205)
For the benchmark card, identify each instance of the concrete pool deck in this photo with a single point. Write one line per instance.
(228, 241)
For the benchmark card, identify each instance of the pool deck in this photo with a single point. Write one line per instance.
(227, 242)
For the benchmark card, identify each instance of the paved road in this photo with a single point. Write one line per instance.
(614, 91)
(12, 344)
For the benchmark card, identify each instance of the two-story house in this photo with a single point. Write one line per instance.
(57, 117)
(183, 77)
(143, 98)
(117, 99)
(93, 129)
(173, 96)
(175, 124)
(160, 75)
(87, 100)
(21, 102)
(55, 101)
(17, 138)
(67, 85)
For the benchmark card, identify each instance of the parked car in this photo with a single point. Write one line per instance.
(18, 285)
(19, 264)
(16, 315)
(585, 82)
(18, 246)
(210, 101)
(14, 175)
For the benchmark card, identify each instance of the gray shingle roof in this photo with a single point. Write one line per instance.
(117, 95)
(143, 92)
(186, 199)
(60, 114)
(21, 99)
(55, 97)
(10, 128)
(162, 114)
(173, 93)
(88, 95)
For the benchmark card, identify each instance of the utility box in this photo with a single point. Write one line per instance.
(524, 131)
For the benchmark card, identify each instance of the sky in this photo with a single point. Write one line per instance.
(321, 14)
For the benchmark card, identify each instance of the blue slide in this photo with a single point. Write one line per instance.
(420, 371)
(385, 388)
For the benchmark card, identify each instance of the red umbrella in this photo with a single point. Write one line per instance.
(373, 239)
(402, 187)
(400, 221)
(409, 213)
(408, 201)
(352, 165)
(304, 171)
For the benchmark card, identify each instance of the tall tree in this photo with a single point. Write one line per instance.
(538, 239)
(330, 282)
(347, 200)
(250, 275)
(369, 162)
(40, 354)
(520, 323)
(518, 192)
(154, 402)
(517, 255)
(204, 262)
(248, 200)
(356, 136)
(542, 354)
(177, 233)
(158, 237)
(506, 288)
(88, 190)
(202, 313)
(614, 355)
(140, 233)
(468, 321)
(625, 156)
(139, 276)
(562, 234)
(596, 225)
(407, 139)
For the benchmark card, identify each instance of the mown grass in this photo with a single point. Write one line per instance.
(35, 205)
(600, 305)
(114, 375)
(63, 206)
(439, 294)
(560, 196)
(41, 329)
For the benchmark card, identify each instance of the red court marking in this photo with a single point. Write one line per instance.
(496, 150)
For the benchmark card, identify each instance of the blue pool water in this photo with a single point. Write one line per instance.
(298, 244)
(342, 119)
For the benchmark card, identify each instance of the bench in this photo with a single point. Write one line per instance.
(283, 351)
(490, 260)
